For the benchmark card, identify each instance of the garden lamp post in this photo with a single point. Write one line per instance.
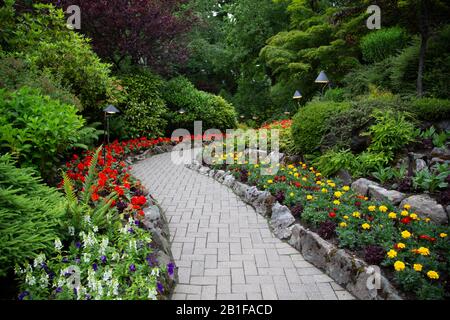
(322, 78)
(110, 110)
(181, 111)
(297, 96)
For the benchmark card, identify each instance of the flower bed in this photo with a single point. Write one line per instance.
(412, 251)
(104, 250)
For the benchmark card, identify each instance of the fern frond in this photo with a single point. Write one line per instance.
(87, 192)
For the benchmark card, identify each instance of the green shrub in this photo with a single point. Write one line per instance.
(213, 110)
(29, 215)
(16, 73)
(343, 127)
(332, 161)
(378, 45)
(42, 38)
(310, 123)
(430, 109)
(37, 129)
(335, 95)
(391, 132)
(144, 108)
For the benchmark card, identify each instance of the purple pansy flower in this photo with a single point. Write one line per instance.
(23, 295)
(170, 268)
(95, 267)
(103, 258)
(132, 268)
(160, 287)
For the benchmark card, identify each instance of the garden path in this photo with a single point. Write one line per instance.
(222, 247)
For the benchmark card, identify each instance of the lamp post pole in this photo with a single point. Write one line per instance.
(109, 111)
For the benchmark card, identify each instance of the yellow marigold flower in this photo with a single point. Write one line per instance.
(392, 254)
(443, 235)
(406, 207)
(413, 216)
(338, 194)
(383, 208)
(269, 181)
(324, 190)
(345, 217)
(399, 266)
(401, 245)
(406, 234)
(343, 224)
(304, 179)
(366, 226)
(296, 174)
(372, 208)
(290, 166)
(427, 219)
(392, 215)
(356, 214)
(433, 274)
(319, 183)
(291, 194)
(405, 213)
(346, 188)
(309, 197)
(332, 184)
(418, 267)
(366, 198)
(256, 165)
(312, 168)
(337, 202)
(423, 251)
(318, 174)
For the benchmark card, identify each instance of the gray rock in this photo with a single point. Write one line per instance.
(211, 173)
(420, 165)
(240, 189)
(443, 153)
(438, 161)
(283, 234)
(424, 205)
(282, 217)
(204, 170)
(254, 154)
(382, 194)
(344, 176)
(417, 156)
(262, 201)
(444, 125)
(229, 180)
(219, 174)
(152, 213)
(361, 186)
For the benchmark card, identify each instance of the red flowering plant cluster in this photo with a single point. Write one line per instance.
(112, 175)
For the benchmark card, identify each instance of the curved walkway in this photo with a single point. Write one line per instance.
(223, 248)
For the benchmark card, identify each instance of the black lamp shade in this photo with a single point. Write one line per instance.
(110, 109)
(322, 78)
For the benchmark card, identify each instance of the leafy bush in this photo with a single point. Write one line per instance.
(391, 132)
(430, 181)
(380, 44)
(42, 38)
(430, 109)
(37, 130)
(30, 214)
(332, 161)
(335, 95)
(213, 110)
(310, 123)
(144, 107)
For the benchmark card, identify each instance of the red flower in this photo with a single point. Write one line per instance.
(80, 166)
(406, 220)
(119, 190)
(141, 213)
(358, 204)
(297, 184)
(332, 215)
(94, 196)
(139, 200)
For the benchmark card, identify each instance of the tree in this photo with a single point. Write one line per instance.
(424, 17)
(149, 32)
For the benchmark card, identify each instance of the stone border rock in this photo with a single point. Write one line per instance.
(156, 222)
(348, 271)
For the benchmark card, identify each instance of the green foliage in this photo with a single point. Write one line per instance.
(30, 214)
(391, 132)
(332, 161)
(378, 45)
(37, 130)
(309, 124)
(432, 181)
(42, 38)
(430, 109)
(144, 107)
(335, 95)
(214, 111)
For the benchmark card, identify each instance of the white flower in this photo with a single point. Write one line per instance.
(39, 260)
(71, 231)
(95, 229)
(115, 286)
(61, 282)
(18, 270)
(103, 246)
(58, 245)
(115, 256)
(87, 218)
(155, 272)
(86, 257)
(30, 279)
(107, 275)
(43, 280)
(152, 294)
(132, 245)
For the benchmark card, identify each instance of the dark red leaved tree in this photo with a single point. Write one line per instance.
(152, 32)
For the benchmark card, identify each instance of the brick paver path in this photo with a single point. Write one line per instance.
(223, 248)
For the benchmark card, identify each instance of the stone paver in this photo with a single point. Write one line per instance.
(223, 248)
